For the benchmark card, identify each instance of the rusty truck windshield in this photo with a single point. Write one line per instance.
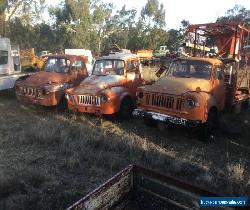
(108, 67)
(190, 69)
(59, 65)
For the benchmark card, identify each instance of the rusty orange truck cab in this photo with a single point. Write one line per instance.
(47, 87)
(196, 88)
(110, 89)
(190, 88)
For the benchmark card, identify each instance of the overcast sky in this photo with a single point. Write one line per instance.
(195, 11)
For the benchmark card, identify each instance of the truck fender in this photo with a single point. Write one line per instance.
(122, 92)
(22, 78)
(209, 103)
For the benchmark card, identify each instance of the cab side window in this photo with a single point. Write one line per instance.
(218, 73)
(78, 65)
(132, 65)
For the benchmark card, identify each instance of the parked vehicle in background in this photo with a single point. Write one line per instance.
(30, 60)
(47, 87)
(146, 57)
(110, 89)
(161, 52)
(196, 89)
(82, 52)
(10, 68)
(136, 187)
(44, 53)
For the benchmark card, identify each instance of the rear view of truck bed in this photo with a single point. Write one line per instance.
(137, 188)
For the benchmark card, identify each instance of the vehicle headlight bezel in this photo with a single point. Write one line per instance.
(191, 103)
(140, 95)
(104, 98)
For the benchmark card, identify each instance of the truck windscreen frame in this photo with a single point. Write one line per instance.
(109, 67)
(190, 69)
(58, 65)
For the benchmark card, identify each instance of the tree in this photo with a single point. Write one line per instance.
(120, 26)
(29, 11)
(174, 40)
(73, 18)
(237, 13)
(101, 28)
(183, 27)
(3, 6)
(154, 14)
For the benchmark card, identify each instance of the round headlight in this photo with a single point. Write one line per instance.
(190, 103)
(140, 95)
(104, 98)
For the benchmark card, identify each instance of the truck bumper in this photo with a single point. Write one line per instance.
(45, 101)
(166, 118)
(98, 110)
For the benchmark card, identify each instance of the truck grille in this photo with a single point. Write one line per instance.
(89, 100)
(32, 92)
(179, 104)
(164, 101)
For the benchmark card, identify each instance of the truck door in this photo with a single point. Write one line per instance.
(82, 70)
(134, 79)
(218, 80)
(78, 71)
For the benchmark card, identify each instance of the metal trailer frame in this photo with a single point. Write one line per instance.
(143, 184)
(235, 36)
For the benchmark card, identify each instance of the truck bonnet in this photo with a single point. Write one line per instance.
(94, 84)
(43, 78)
(178, 86)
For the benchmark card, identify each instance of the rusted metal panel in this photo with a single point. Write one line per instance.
(105, 196)
(114, 78)
(47, 87)
(142, 188)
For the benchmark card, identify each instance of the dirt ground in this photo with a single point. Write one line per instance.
(50, 159)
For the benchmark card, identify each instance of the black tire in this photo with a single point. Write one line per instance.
(207, 129)
(62, 106)
(246, 104)
(126, 109)
(150, 122)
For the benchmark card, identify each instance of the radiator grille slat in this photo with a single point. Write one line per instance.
(32, 92)
(89, 100)
(164, 101)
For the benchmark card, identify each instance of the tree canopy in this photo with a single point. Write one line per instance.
(94, 25)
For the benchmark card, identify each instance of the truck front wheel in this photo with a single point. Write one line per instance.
(207, 128)
(126, 108)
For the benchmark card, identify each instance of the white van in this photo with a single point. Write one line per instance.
(10, 68)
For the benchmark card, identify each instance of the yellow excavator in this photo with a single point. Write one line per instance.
(30, 60)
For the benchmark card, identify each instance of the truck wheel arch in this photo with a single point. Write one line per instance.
(209, 104)
(126, 107)
(126, 96)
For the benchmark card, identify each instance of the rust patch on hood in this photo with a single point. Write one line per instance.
(178, 86)
(42, 78)
(93, 84)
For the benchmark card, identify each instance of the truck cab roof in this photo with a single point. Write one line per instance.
(119, 56)
(212, 61)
